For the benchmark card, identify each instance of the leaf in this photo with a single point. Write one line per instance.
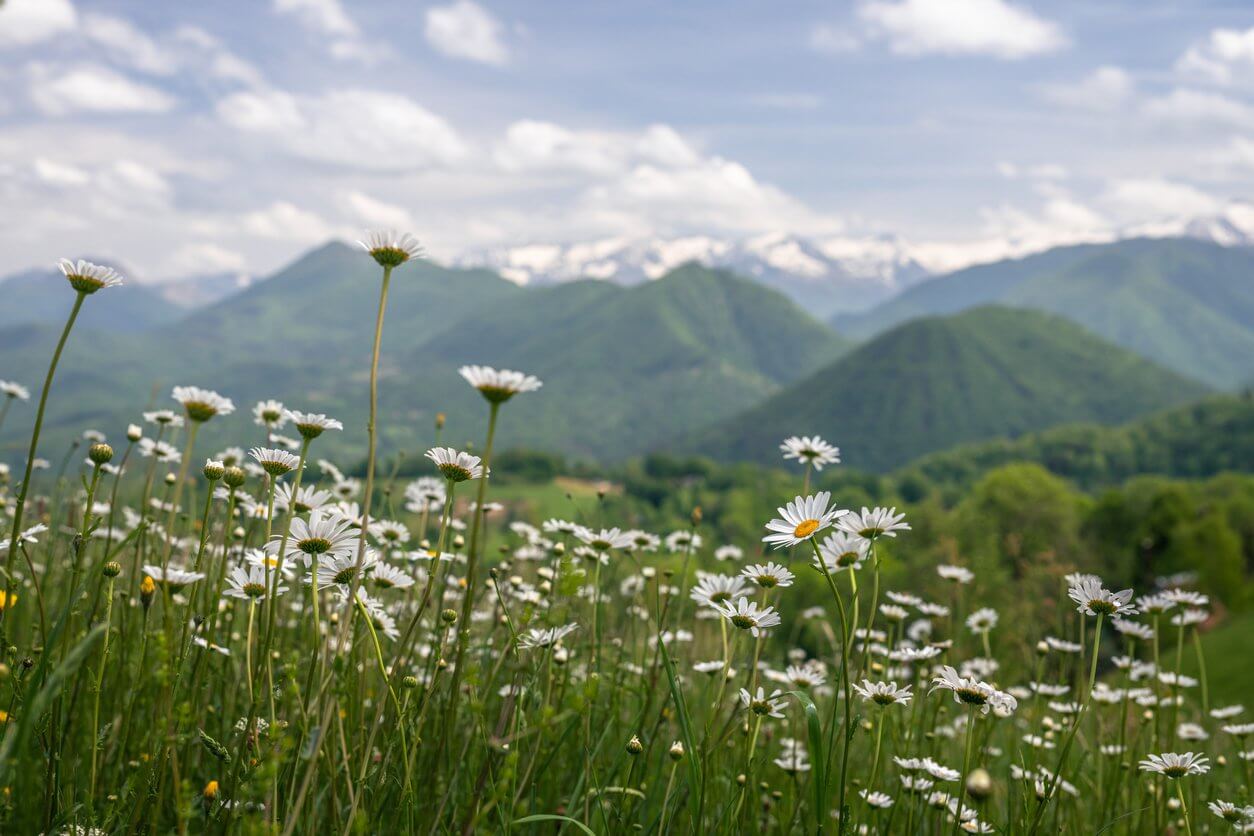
(814, 726)
(685, 728)
(34, 709)
(554, 817)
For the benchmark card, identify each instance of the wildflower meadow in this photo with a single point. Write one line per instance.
(259, 639)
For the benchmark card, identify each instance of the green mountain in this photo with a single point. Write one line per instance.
(936, 382)
(1194, 441)
(39, 297)
(1186, 304)
(624, 368)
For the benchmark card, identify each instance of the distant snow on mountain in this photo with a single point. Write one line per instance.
(841, 274)
(824, 276)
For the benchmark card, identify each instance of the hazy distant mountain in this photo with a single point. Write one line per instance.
(623, 368)
(822, 276)
(198, 291)
(1187, 304)
(939, 381)
(44, 297)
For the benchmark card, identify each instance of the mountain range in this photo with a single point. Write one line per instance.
(939, 381)
(1187, 304)
(698, 356)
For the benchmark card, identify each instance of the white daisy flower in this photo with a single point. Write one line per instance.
(728, 552)
(768, 575)
(250, 583)
(810, 449)
(499, 385)
(391, 248)
(538, 637)
(202, 404)
(1175, 765)
(957, 574)
(274, 461)
(801, 519)
(14, 390)
(389, 577)
(1093, 599)
(456, 466)
(605, 539)
(874, 523)
(745, 615)
(883, 693)
(714, 590)
(270, 414)
(762, 705)
(172, 577)
(841, 550)
(86, 277)
(311, 424)
(878, 800)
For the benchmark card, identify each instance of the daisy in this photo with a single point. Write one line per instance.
(643, 541)
(606, 539)
(307, 499)
(874, 523)
(715, 590)
(389, 577)
(841, 550)
(810, 675)
(340, 570)
(259, 557)
(1175, 765)
(269, 414)
(202, 404)
(1190, 618)
(883, 693)
(498, 385)
(249, 583)
(768, 575)
(1093, 599)
(973, 692)
(801, 519)
(162, 451)
(86, 277)
(878, 800)
(762, 705)
(456, 467)
(322, 534)
(1230, 812)
(683, 541)
(728, 553)
(391, 248)
(1227, 712)
(982, 620)
(810, 449)
(172, 577)
(14, 390)
(957, 574)
(389, 533)
(310, 425)
(273, 461)
(745, 615)
(426, 493)
(538, 637)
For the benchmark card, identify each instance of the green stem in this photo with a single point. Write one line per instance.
(966, 768)
(20, 505)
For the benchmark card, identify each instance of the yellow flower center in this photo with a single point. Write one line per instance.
(805, 528)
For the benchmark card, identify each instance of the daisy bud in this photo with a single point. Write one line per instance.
(677, 751)
(214, 470)
(134, 432)
(410, 682)
(459, 542)
(559, 549)
(439, 420)
(696, 516)
(100, 453)
(1042, 648)
(210, 792)
(741, 779)
(111, 569)
(239, 532)
(147, 589)
(979, 784)
(170, 478)
(448, 617)
(4, 671)
(634, 746)
(234, 477)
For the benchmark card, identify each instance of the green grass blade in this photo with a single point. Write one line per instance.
(690, 742)
(555, 817)
(814, 726)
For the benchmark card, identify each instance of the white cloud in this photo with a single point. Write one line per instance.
(128, 45)
(1225, 56)
(962, 27)
(325, 16)
(28, 22)
(204, 257)
(465, 29)
(788, 101)
(287, 221)
(833, 39)
(1198, 109)
(1150, 198)
(367, 211)
(1042, 172)
(534, 146)
(362, 129)
(92, 88)
(1105, 88)
(60, 174)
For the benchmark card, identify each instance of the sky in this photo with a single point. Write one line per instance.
(179, 139)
